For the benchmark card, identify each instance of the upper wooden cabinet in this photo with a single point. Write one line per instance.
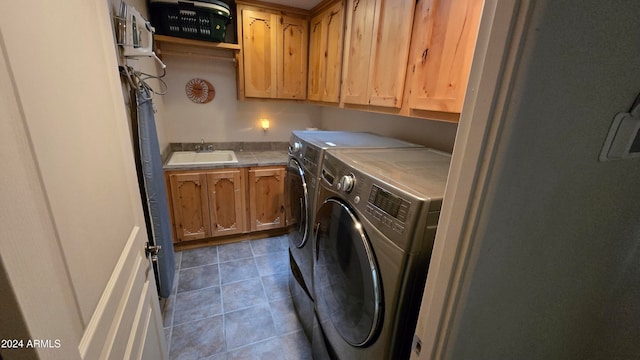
(326, 36)
(259, 54)
(292, 46)
(274, 49)
(376, 51)
(402, 57)
(443, 41)
(358, 52)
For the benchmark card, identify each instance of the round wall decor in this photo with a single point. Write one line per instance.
(200, 91)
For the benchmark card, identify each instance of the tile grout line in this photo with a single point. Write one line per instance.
(223, 314)
(173, 307)
(273, 318)
(265, 340)
(254, 343)
(271, 248)
(276, 335)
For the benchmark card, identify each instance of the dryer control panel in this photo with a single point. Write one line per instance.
(389, 209)
(389, 203)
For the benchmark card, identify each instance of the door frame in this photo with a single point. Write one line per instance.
(496, 57)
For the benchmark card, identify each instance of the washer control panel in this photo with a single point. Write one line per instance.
(308, 155)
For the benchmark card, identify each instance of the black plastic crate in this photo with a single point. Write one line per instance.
(193, 20)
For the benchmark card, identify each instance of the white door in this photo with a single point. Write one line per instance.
(72, 232)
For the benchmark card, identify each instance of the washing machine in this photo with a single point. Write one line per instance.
(306, 151)
(377, 214)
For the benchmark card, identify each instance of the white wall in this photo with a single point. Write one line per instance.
(435, 134)
(554, 269)
(225, 118)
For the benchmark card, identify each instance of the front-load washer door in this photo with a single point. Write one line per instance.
(298, 200)
(346, 278)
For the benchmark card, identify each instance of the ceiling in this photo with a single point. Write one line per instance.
(302, 4)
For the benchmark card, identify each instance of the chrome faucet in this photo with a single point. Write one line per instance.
(201, 147)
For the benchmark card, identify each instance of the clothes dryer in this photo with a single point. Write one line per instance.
(377, 214)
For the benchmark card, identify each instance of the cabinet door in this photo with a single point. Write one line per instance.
(443, 42)
(259, 53)
(325, 54)
(316, 58)
(391, 51)
(358, 51)
(334, 28)
(266, 198)
(226, 191)
(292, 53)
(190, 206)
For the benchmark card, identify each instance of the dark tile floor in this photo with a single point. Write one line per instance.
(232, 302)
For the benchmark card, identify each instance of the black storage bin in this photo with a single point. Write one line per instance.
(200, 20)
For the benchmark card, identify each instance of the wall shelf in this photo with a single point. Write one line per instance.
(170, 45)
(163, 39)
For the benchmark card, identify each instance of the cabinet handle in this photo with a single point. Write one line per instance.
(333, 13)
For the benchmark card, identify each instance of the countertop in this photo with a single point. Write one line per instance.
(246, 158)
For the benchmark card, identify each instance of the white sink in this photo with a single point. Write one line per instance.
(202, 158)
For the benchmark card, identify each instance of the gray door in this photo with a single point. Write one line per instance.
(298, 199)
(346, 278)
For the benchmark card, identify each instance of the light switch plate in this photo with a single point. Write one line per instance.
(623, 140)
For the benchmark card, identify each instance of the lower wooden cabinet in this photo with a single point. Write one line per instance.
(190, 206)
(211, 203)
(226, 189)
(266, 196)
